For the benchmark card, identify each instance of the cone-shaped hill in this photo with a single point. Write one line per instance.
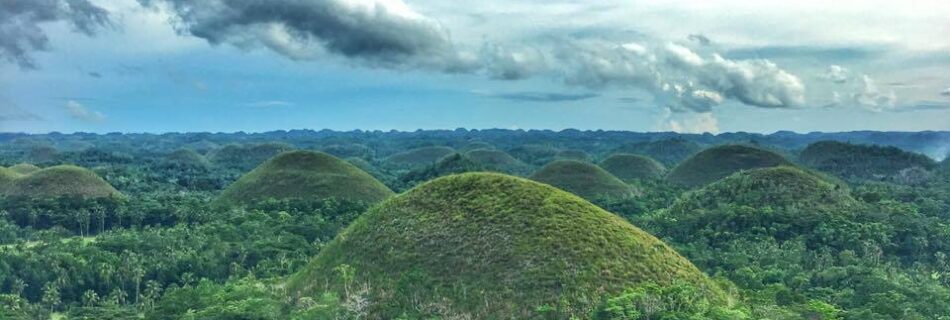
(475, 145)
(862, 162)
(186, 158)
(583, 179)
(246, 157)
(24, 168)
(669, 151)
(718, 162)
(630, 167)
(463, 242)
(418, 157)
(573, 155)
(304, 175)
(498, 160)
(780, 201)
(61, 181)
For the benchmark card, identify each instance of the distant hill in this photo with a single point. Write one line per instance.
(463, 242)
(577, 155)
(451, 164)
(61, 181)
(246, 157)
(186, 158)
(497, 160)
(631, 167)
(718, 162)
(856, 162)
(669, 151)
(7, 177)
(418, 157)
(583, 179)
(304, 175)
(24, 168)
(534, 154)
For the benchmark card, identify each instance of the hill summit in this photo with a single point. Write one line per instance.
(461, 243)
(630, 167)
(718, 162)
(584, 179)
(304, 175)
(61, 181)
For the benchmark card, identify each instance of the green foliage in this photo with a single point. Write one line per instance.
(304, 175)
(418, 157)
(856, 162)
(630, 167)
(490, 246)
(499, 161)
(718, 162)
(450, 164)
(24, 168)
(245, 157)
(583, 179)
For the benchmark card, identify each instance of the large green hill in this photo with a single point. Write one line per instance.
(583, 179)
(304, 175)
(630, 167)
(7, 177)
(61, 181)
(418, 157)
(24, 168)
(668, 151)
(490, 246)
(498, 160)
(856, 162)
(718, 162)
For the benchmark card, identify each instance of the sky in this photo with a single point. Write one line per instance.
(685, 66)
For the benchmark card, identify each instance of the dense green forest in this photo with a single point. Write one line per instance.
(406, 225)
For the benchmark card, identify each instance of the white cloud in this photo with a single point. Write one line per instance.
(945, 92)
(836, 74)
(870, 97)
(270, 104)
(79, 112)
(690, 123)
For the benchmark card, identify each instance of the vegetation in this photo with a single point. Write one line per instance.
(718, 162)
(583, 179)
(418, 157)
(304, 175)
(245, 157)
(490, 246)
(630, 167)
(24, 168)
(855, 162)
(497, 160)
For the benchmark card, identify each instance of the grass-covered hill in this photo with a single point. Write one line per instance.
(24, 168)
(535, 154)
(718, 162)
(855, 162)
(61, 181)
(583, 179)
(246, 157)
(631, 167)
(346, 150)
(7, 177)
(577, 155)
(497, 160)
(475, 145)
(451, 164)
(418, 157)
(304, 175)
(490, 246)
(186, 158)
(668, 151)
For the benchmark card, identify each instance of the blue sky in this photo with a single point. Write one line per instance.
(243, 65)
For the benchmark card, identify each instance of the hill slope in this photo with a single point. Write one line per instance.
(24, 168)
(669, 151)
(456, 246)
(498, 160)
(718, 162)
(584, 179)
(629, 167)
(304, 175)
(862, 162)
(60, 181)
(418, 157)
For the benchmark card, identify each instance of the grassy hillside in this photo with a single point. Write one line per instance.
(534, 154)
(856, 162)
(718, 162)
(418, 157)
(451, 164)
(498, 160)
(60, 181)
(246, 157)
(24, 168)
(573, 155)
(186, 158)
(583, 179)
(7, 177)
(630, 167)
(490, 246)
(304, 175)
(669, 152)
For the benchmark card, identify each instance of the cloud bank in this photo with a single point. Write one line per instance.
(20, 20)
(79, 112)
(378, 33)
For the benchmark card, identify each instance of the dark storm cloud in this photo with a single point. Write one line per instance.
(20, 32)
(378, 33)
(539, 96)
